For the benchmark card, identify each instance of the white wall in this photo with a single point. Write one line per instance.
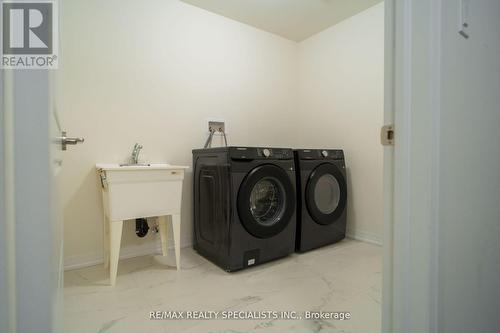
(151, 72)
(341, 80)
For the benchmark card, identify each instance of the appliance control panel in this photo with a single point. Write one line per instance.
(257, 153)
(320, 154)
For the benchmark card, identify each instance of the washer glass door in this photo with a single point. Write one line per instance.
(266, 201)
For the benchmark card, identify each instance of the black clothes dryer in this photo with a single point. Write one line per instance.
(321, 197)
(244, 205)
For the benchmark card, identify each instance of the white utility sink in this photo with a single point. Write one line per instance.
(135, 191)
(138, 191)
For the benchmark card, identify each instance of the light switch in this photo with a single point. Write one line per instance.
(464, 8)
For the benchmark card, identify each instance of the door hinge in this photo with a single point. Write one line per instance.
(387, 135)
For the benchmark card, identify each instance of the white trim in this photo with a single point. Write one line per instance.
(4, 309)
(367, 237)
(401, 249)
(10, 215)
(411, 265)
(389, 113)
(6, 316)
(435, 87)
(127, 252)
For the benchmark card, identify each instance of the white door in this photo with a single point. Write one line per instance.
(442, 266)
(32, 151)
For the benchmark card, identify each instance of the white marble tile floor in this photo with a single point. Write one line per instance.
(341, 277)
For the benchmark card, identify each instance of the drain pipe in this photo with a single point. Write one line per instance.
(141, 227)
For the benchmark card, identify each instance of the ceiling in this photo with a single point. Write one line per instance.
(292, 19)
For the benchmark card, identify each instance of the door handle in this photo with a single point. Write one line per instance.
(65, 141)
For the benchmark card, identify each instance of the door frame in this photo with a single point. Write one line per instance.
(26, 199)
(8, 306)
(411, 167)
(4, 309)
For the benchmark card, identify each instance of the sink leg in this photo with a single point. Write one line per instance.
(176, 226)
(105, 241)
(162, 224)
(115, 233)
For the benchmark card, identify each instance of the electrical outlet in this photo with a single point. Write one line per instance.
(217, 126)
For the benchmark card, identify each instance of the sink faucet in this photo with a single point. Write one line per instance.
(135, 153)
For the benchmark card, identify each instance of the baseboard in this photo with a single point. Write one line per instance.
(126, 252)
(363, 236)
(153, 248)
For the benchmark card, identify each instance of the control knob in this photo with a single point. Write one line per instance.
(266, 152)
(324, 153)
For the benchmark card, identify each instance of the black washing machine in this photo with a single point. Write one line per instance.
(244, 205)
(321, 197)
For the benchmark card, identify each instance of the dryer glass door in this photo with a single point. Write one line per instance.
(266, 201)
(326, 193)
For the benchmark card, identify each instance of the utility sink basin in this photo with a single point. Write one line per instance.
(140, 190)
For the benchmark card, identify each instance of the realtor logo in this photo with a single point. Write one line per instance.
(29, 34)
